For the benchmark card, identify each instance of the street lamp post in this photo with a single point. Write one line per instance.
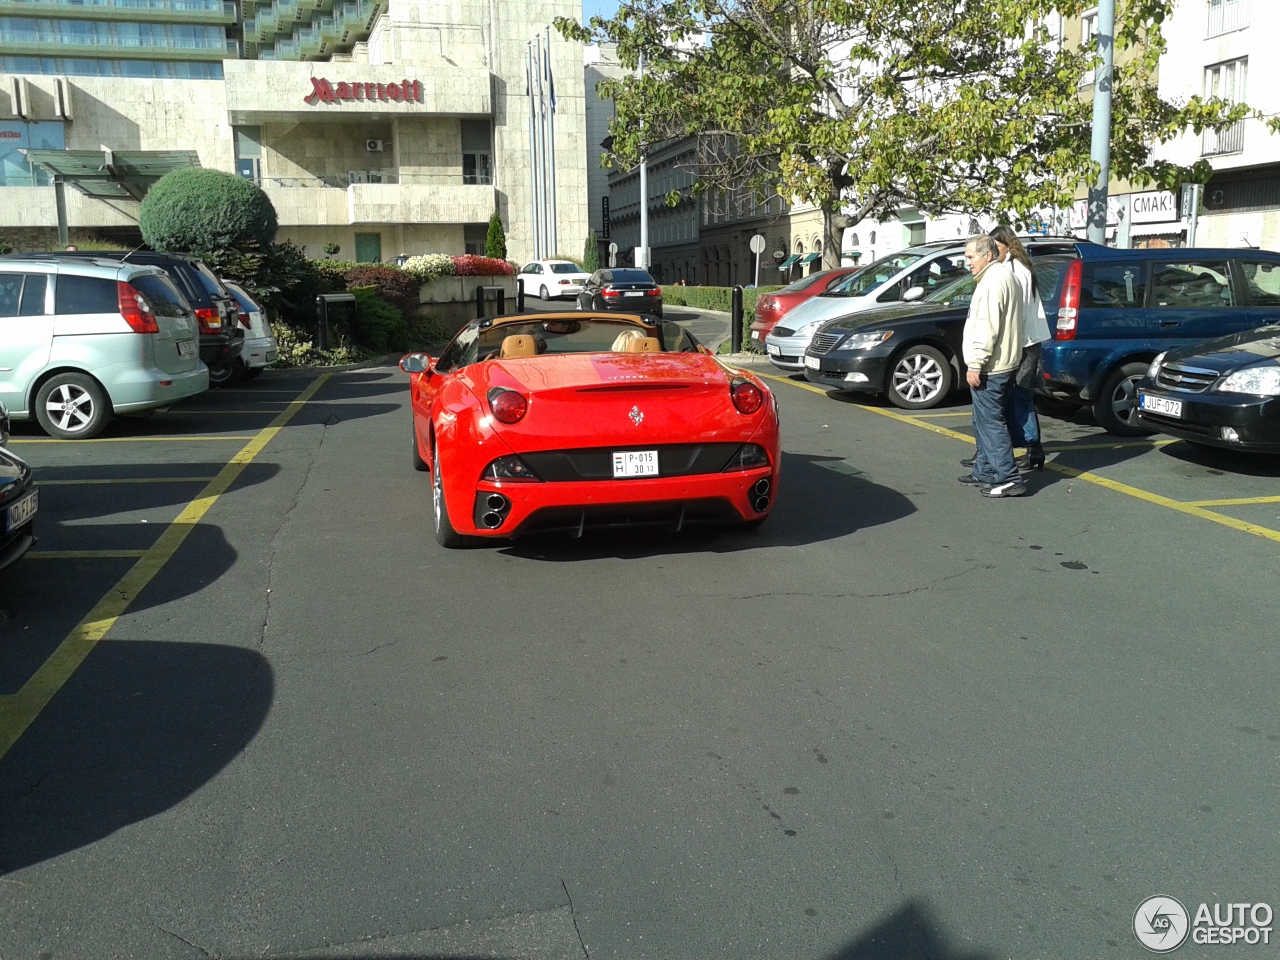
(1101, 146)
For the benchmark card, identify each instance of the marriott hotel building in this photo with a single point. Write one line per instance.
(385, 126)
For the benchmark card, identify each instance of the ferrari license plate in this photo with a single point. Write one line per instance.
(635, 463)
(811, 362)
(1170, 408)
(22, 511)
(186, 348)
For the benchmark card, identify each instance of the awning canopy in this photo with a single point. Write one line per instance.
(810, 257)
(110, 174)
(789, 261)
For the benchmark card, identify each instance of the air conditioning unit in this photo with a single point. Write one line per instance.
(373, 146)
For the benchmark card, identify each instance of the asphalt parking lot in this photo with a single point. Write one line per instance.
(249, 708)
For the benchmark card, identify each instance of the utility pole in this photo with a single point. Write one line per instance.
(1101, 146)
(535, 157)
(644, 198)
(553, 245)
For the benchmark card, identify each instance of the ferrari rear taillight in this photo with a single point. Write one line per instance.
(1069, 304)
(510, 468)
(747, 397)
(209, 319)
(135, 309)
(507, 405)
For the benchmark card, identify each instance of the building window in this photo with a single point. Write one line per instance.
(915, 234)
(1089, 41)
(477, 152)
(18, 135)
(1226, 16)
(248, 145)
(368, 248)
(1225, 81)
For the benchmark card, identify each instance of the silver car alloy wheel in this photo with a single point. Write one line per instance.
(1124, 401)
(70, 407)
(917, 378)
(437, 492)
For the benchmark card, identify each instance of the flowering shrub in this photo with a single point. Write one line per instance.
(430, 267)
(395, 286)
(473, 266)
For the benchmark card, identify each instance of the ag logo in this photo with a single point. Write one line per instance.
(1161, 924)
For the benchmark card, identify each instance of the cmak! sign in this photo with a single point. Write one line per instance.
(322, 91)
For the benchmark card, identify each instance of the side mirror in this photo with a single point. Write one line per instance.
(915, 293)
(415, 363)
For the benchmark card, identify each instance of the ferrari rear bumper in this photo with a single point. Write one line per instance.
(673, 502)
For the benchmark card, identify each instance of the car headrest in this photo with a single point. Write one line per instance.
(644, 345)
(518, 345)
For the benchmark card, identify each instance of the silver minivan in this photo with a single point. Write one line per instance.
(81, 339)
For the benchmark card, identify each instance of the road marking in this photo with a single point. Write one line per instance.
(1241, 502)
(259, 413)
(1190, 509)
(136, 439)
(1068, 448)
(76, 483)
(19, 710)
(85, 554)
(936, 415)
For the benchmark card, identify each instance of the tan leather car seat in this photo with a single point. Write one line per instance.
(645, 345)
(518, 345)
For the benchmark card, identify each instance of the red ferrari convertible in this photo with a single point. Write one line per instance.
(572, 421)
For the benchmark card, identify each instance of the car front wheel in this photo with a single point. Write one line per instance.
(72, 406)
(919, 379)
(1116, 408)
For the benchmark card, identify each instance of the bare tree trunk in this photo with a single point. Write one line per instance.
(834, 223)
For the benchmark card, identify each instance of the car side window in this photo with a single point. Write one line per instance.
(595, 279)
(10, 294)
(676, 339)
(1113, 286)
(528, 268)
(75, 294)
(33, 295)
(1263, 279)
(1191, 285)
(461, 351)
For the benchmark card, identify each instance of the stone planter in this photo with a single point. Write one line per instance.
(453, 299)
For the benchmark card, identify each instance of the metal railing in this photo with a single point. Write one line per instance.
(1226, 16)
(1218, 142)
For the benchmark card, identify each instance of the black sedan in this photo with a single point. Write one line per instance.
(19, 500)
(910, 351)
(1221, 393)
(624, 290)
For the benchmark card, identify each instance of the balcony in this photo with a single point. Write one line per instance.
(315, 201)
(1217, 143)
(114, 49)
(154, 11)
(1226, 16)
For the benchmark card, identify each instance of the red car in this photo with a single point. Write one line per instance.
(570, 421)
(771, 307)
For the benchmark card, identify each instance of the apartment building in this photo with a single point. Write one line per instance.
(395, 127)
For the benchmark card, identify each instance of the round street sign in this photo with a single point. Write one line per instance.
(613, 248)
(756, 244)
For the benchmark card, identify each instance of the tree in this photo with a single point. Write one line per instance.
(495, 242)
(864, 107)
(591, 253)
(201, 210)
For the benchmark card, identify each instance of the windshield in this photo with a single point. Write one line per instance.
(564, 336)
(874, 275)
(566, 268)
(629, 276)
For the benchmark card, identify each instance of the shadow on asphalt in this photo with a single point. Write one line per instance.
(1217, 461)
(821, 498)
(910, 933)
(139, 728)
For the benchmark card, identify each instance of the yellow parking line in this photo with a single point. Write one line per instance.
(260, 413)
(85, 554)
(76, 483)
(1240, 502)
(1068, 448)
(935, 415)
(1190, 509)
(137, 439)
(19, 710)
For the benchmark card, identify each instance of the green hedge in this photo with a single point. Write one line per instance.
(717, 298)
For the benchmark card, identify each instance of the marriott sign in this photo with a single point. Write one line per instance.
(322, 91)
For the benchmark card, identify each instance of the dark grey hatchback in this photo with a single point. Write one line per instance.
(1220, 393)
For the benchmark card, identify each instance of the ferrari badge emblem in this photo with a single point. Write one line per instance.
(636, 416)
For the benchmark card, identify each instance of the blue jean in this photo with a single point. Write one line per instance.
(1024, 424)
(990, 423)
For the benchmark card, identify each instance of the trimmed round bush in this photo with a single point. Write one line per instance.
(199, 209)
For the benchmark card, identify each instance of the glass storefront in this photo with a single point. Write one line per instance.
(17, 135)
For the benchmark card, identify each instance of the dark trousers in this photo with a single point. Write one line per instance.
(1024, 424)
(990, 423)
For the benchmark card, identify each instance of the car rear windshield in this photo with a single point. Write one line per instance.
(566, 268)
(162, 295)
(804, 283)
(75, 294)
(629, 276)
(212, 285)
(874, 275)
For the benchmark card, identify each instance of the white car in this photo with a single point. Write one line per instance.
(260, 347)
(549, 279)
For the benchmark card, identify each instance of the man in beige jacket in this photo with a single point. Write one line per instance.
(992, 351)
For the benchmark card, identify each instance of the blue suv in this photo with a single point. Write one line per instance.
(1118, 309)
